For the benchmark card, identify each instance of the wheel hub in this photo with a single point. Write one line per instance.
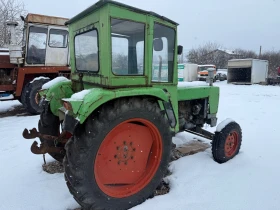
(231, 144)
(125, 153)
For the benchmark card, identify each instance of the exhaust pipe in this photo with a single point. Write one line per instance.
(211, 76)
(15, 50)
(12, 26)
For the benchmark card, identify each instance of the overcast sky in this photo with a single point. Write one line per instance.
(232, 23)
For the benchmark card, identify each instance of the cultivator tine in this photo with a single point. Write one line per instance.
(38, 150)
(31, 134)
(44, 148)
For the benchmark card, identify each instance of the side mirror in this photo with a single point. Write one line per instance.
(158, 44)
(180, 49)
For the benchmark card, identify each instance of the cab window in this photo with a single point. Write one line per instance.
(163, 53)
(128, 41)
(86, 51)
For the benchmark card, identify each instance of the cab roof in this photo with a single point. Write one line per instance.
(44, 19)
(102, 3)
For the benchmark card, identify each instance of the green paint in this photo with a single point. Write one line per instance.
(56, 92)
(104, 84)
(98, 96)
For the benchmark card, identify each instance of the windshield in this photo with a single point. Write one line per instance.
(36, 53)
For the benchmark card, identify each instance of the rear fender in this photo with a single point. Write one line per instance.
(84, 103)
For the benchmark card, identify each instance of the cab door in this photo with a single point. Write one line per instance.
(57, 53)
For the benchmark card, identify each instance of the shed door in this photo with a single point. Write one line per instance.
(57, 47)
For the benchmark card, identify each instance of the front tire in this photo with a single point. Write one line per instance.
(118, 157)
(227, 143)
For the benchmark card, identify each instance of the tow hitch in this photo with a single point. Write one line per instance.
(44, 147)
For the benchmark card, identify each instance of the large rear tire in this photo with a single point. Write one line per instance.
(29, 96)
(227, 143)
(118, 157)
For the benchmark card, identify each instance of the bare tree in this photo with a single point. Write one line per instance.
(242, 54)
(203, 54)
(210, 53)
(11, 10)
(120, 63)
(273, 58)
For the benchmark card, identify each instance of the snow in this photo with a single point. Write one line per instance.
(54, 81)
(230, 52)
(8, 106)
(248, 181)
(78, 96)
(4, 53)
(223, 124)
(7, 97)
(192, 84)
(38, 78)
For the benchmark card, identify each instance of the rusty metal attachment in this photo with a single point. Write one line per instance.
(44, 146)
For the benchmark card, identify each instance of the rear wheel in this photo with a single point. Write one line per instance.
(30, 97)
(227, 143)
(119, 156)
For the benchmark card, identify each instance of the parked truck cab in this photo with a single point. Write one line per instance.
(43, 55)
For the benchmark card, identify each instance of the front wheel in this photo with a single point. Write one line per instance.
(227, 143)
(119, 156)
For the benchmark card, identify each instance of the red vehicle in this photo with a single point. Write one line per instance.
(43, 56)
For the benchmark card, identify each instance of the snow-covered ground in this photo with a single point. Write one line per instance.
(249, 181)
(8, 105)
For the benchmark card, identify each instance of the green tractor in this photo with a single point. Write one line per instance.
(112, 124)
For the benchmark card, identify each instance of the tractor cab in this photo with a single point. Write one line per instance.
(45, 42)
(115, 45)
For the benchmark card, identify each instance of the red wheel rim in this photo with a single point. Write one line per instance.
(37, 98)
(231, 144)
(128, 158)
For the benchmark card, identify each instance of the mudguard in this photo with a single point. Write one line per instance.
(55, 93)
(85, 102)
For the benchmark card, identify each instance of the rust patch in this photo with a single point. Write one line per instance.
(6, 87)
(38, 70)
(5, 62)
(50, 20)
